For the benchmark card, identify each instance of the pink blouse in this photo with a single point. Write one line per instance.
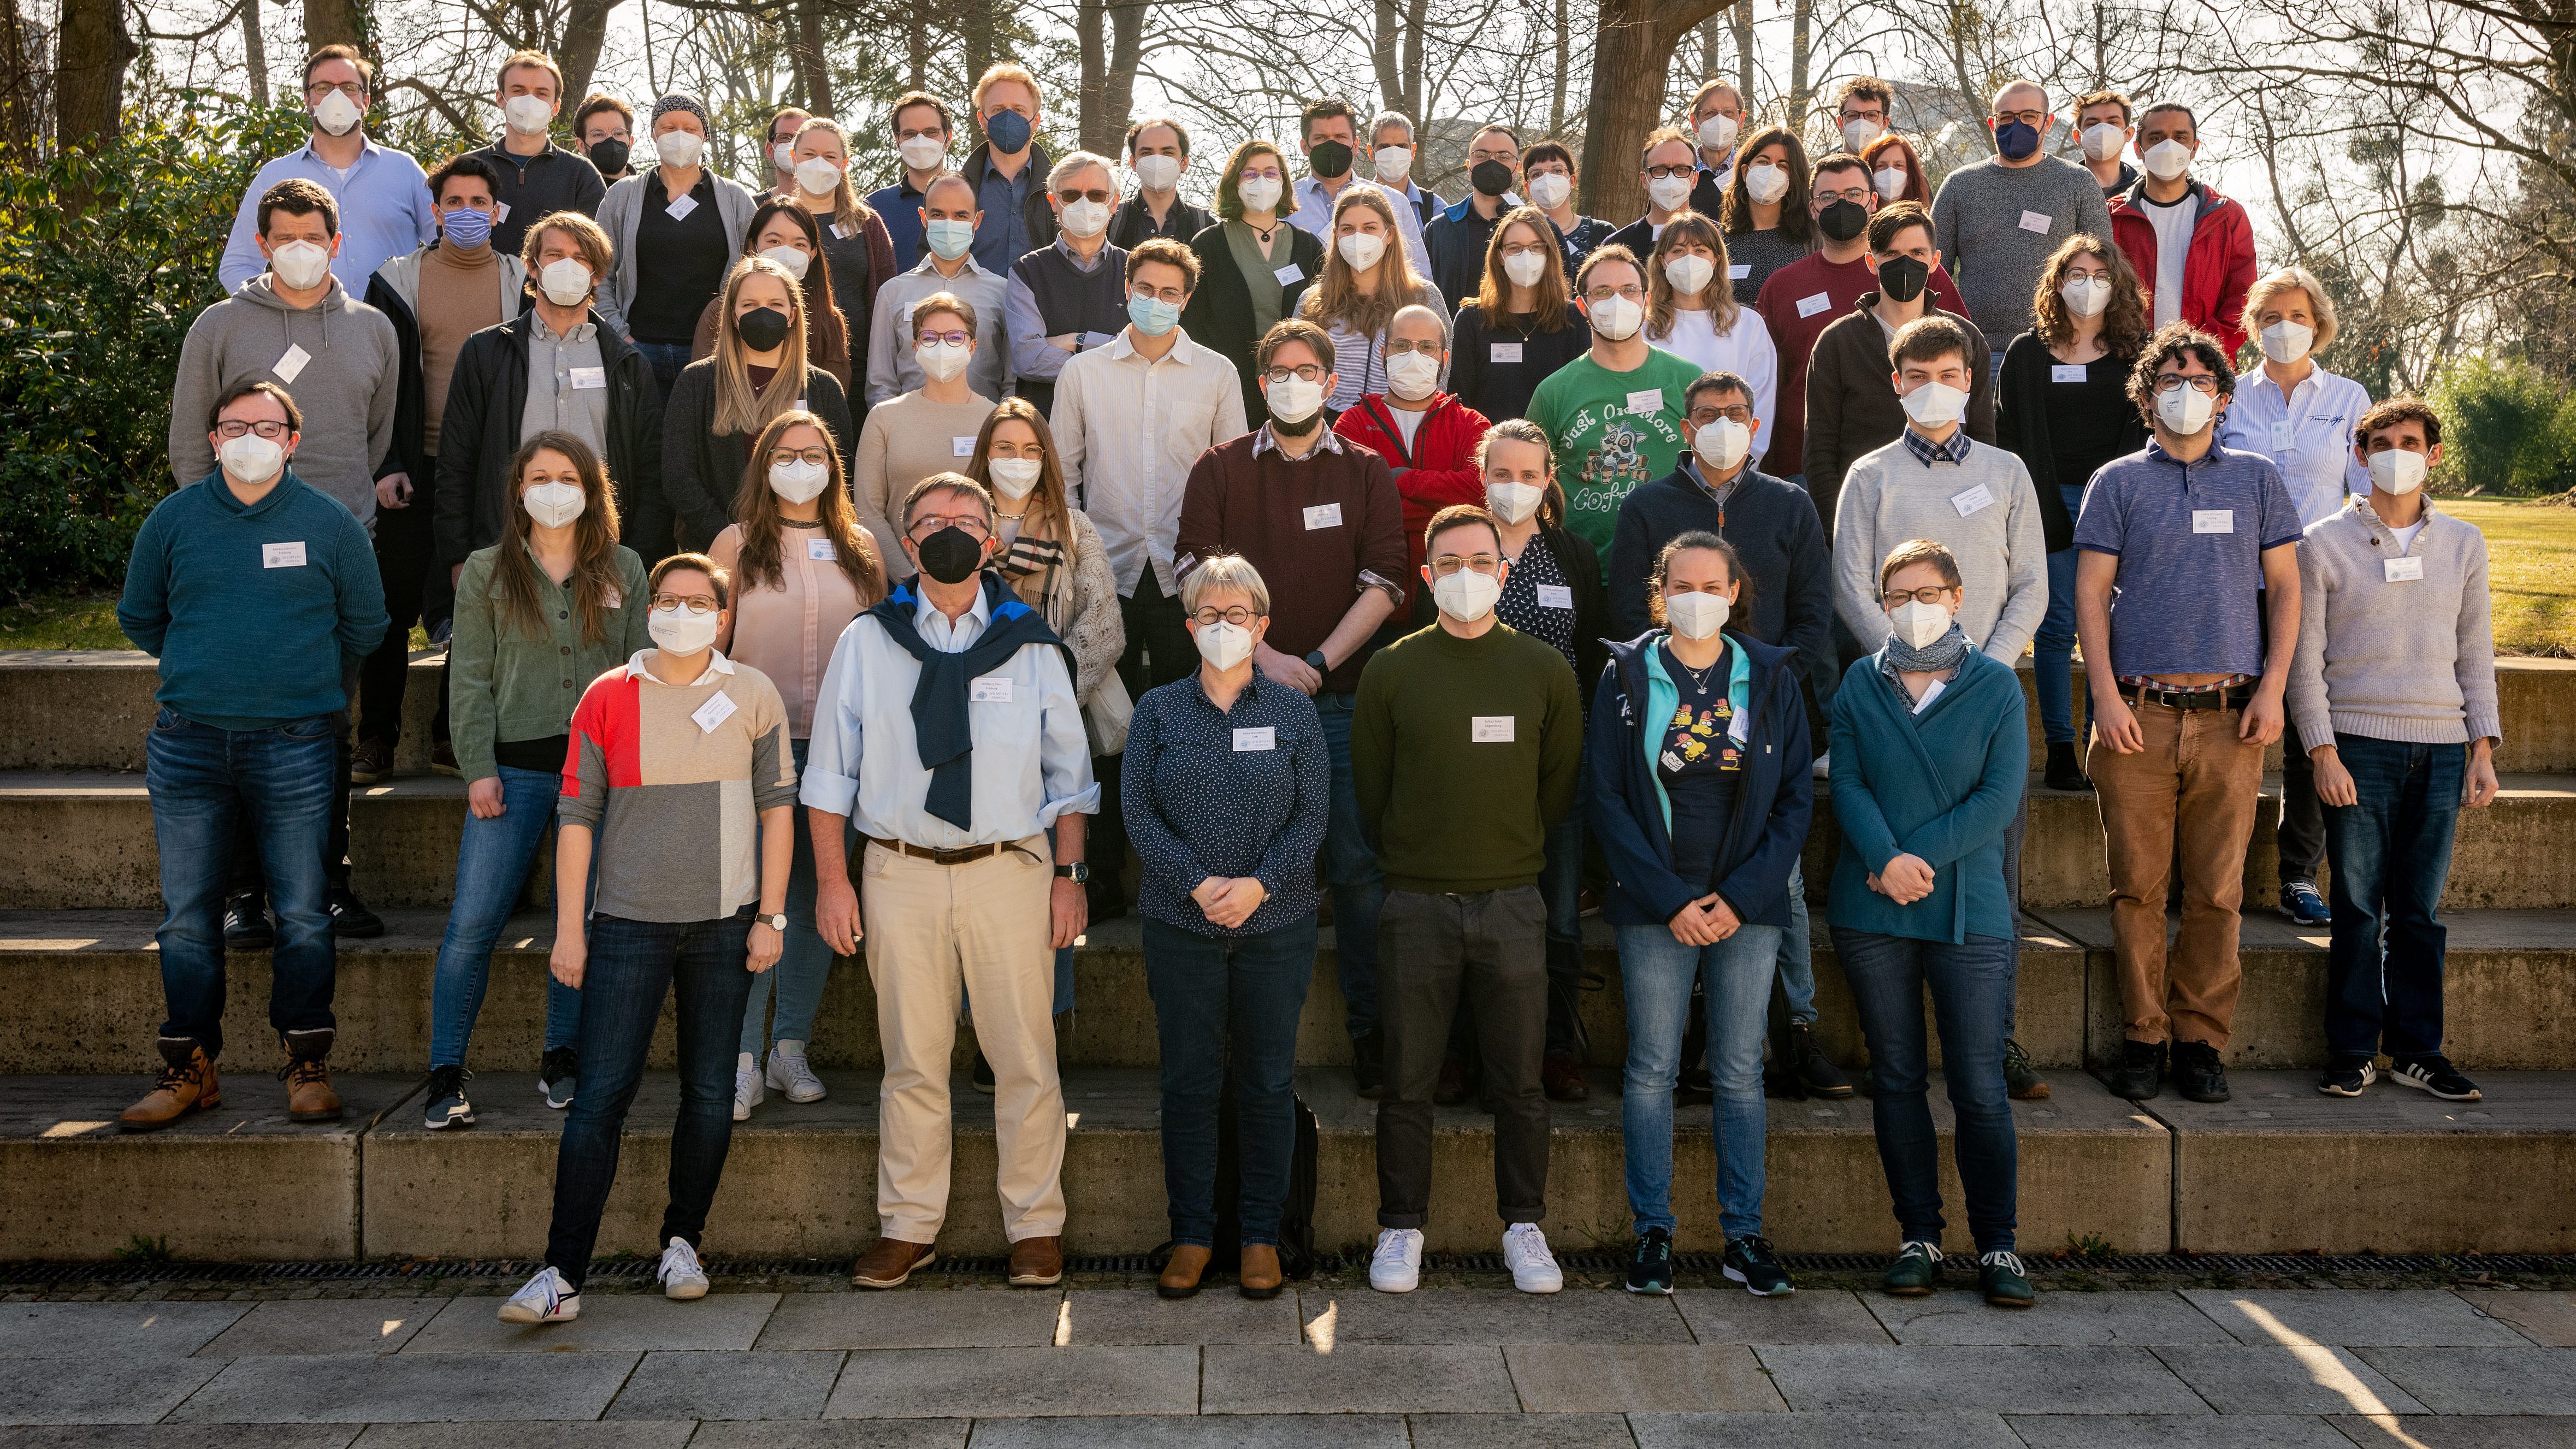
(788, 632)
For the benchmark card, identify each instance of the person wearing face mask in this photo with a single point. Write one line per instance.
(1614, 414)
(1228, 784)
(1158, 151)
(1365, 282)
(1895, 170)
(2104, 122)
(951, 738)
(948, 265)
(791, 236)
(760, 369)
(1072, 293)
(912, 435)
(677, 231)
(1998, 219)
(1466, 749)
(1701, 793)
(1391, 155)
(605, 129)
(1716, 120)
(1668, 171)
(1008, 172)
(2393, 691)
(778, 149)
(1518, 328)
(538, 177)
(2187, 671)
(1327, 129)
(802, 568)
(1863, 106)
(852, 238)
(252, 588)
(1769, 220)
(2062, 406)
(1428, 438)
(680, 786)
(1254, 268)
(1691, 315)
(1850, 408)
(1931, 746)
(2193, 248)
(1456, 238)
(552, 368)
(551, 606)
(381, 193)
(1549, 166)
(919, 129)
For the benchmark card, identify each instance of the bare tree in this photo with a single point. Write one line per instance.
(1632, 61)
(91, 52)
(1111, 34)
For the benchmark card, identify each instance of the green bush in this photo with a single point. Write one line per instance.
(2506, 428)
(106, 257)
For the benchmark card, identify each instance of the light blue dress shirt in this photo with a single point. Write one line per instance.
(384, 214)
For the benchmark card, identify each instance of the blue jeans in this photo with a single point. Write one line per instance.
(633, 966)
(1228, 1007)
(205, 783)
(804, 962)
(1735, 977)
(667, 360)
(491, 866)
(2053, 649)
(2391, 853)
(1350, 867)
(1971, 986)
(1797, 959)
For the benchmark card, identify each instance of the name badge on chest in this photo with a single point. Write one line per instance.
(2402, 570)
(2213, 520)
(679, 210)
(718, 708)
(2038, 221)
(990, 689)
(1646, 402)
(2283, 435)
(1490, 729)
(282, 555)
(1258, 737)
(2066, 372)
(820, 550)
(1979, 497)
(1507, 352)
(1556, 596)
(291, 365)
(1324, 515)
(961, 447)
(1810, 306)
(586, 379)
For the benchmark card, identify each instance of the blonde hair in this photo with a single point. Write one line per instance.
(1005, 70)
(1224, 571)
(2296, 279)
(739, 409)
(847, 208)
(1336, 297)
(1687, 225)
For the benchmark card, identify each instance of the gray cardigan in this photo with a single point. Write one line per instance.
(623, 207)
(2410, 660)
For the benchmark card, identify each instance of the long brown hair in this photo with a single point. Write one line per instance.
(1688, 226)
(827, 334)
(739, 409)
(1337, 297)
(1795, 223)
(594, 556)
(2124, 322)
(1047, 500)
(1494, 289)
(755, 508)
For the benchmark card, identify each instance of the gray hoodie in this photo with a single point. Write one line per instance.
(346, 387)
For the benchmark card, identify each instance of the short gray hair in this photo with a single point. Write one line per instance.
(1075, 161)
(947, 483)
(1224, 571)
(1418, 310)
(1384, 119)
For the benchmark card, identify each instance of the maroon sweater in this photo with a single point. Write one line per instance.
(1319, 528)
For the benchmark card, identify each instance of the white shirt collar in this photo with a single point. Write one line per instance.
(929, 263)
(1184, 351)
(923, 609)
(636, 666)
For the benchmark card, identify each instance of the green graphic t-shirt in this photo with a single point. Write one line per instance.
(1614, 431)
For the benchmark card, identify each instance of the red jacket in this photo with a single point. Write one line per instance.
(2215, 276)
(1438, 470)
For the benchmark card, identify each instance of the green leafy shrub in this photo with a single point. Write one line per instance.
(2507, 428)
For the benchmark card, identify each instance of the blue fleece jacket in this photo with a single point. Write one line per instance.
(256, 613)
(1941, 785)
(1632, 816)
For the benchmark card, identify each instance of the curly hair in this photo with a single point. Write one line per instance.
(2124, 322)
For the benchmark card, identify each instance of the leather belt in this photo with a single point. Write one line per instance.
(963, 855)
(2189, 699)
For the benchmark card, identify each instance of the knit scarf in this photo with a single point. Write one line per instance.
(941, 735)
(1938, 657)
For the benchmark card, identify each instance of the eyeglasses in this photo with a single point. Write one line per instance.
(1094, 194)
(972, 523)
(953, 339)
(2036, 120)
(2173, 382)
(1604, 294)
(1666, 173)
(1932, 595)
(1239, 616)
(1528, 249)
(1878, 117)
(1026, 450)
(1859, 195)
(1397, 347)
(234, 428)
(698, 604)
(1267, 173)
(817, 456)
(354, 90)
(1449, 563)
(1703, 416)
(1308, 373)
(1173, 295)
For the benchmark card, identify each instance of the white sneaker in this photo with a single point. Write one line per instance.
(1533, 1267)
(1396, 1267)
(681, 1275)
(1824, 760)
(746, 1086)
(789, 1074)
(546, 1299)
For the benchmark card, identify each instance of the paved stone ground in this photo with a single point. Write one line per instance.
(1331, 1364)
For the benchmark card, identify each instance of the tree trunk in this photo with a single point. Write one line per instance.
(1632, 61)
(1739, 19)
(1802, 37)
(1126, 52)
(333, 22)
(975, 34)
(1091, 45)
(585, 31)
(1382, 58)
(255, 53)
(19, 85)
(1564, 63)
(916, 40)
(817, 63)
(90, 55)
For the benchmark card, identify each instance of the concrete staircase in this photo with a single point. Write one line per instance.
(2278, 1169)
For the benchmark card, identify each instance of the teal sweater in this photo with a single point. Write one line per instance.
(255, 613)
(1941, 785)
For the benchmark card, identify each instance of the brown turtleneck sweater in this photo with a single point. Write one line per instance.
(460, 295)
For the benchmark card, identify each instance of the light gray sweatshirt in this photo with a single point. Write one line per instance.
(346, 385)
(1983, 510)
(2393, 658)
(1996, 226)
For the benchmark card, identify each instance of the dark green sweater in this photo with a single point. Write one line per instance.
(1455, 812)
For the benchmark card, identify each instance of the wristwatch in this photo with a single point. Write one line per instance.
(1079, 872)
(776, 923)
(1315, 661)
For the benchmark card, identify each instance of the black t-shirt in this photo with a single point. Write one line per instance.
(1700, 764)
(2086, 419)
(679, 264)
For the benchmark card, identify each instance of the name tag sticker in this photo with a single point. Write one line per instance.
(2066, 372)
(1646, 401)
(1738, 271)
(990, 689)
(679, 210)
(611, 598)
(1507, 352)
(500, 212)
(587, 379)
(292, 363)
(1810, 306)
(2283, 435)
(2403, 570)
(2213, 520)
(821, 551)
(2038, 221)
(718, 708)
(844, 230)
(1972, 500)
(1290, 274)
(961, 447)
(1555, 596)
(1262, 737)
(1490, 729)
(282, 555)
(1324, 515)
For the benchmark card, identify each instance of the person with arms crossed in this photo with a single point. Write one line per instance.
(1998, 219)
(1614, 413)
(381, 192)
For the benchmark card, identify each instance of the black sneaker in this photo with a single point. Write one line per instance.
(447, 1106)
(2022, 1080)
(2196, 1072)
(2139, 1073)
(1650, 1263)
(2063, 772)
(1751, 1262)
(1368, 1072)
(1817, 1076)
(981, 1077)
(559, 1075)
(2434, 1075)
(350, 918)
(2302, 905)
(246, 923)
(2348, 1077)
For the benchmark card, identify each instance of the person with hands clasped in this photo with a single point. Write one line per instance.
(680, 784)
(1698, 760)
(1931, 750)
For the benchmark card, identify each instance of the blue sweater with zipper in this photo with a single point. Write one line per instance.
(256, 612)
(1940, 785)
(1632, 816)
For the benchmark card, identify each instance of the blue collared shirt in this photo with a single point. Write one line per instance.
(1032, 761)
(1237, 793)
(899, 207)
(1004, 236)
(384, 214)
(2190, 539)
(1928, 452)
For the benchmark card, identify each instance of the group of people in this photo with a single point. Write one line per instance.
(812, 568)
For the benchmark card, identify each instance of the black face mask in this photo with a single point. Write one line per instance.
(1490, 178)
(1901, 279)
(951, 555)
(609, 156)
(1329, 159)
(1843, 220)
(763, 329)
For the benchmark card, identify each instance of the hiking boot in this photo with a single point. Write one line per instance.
(2021, 1079)
(1368, 1073)
(187, 1084)
(445, 1095)
(307, 1076)
(2348, 1077)
(890, 1262)
(246, 923)
(1037, 1262)
(350, 918)
(2196, 1072)
(1916, 1271)
(370, 761)
(1816, 1075)
(2063, 771)
(1751, 1261)
(1561, 1074)
(1650, 1263)
(2434, 1075)
(2139, 1073)
(2001, 1278)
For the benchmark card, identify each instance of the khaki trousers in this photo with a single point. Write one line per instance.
(982, 926)
(2196, 783)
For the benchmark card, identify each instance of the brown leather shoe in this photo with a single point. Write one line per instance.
(1259, 1277)
(1181, 1275)
(307, 1076)
(1562, 1075)
(187, 1084)
(890, 1263)
(1037, 1262)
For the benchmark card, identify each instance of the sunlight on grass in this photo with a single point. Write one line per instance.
(2531, 568)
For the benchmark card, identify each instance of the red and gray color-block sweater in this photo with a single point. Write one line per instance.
(671, 783)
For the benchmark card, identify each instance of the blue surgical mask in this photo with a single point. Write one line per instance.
(949, 239)
(1007, 130)
(2016, 139)
(467, 228)
(1152, 315)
